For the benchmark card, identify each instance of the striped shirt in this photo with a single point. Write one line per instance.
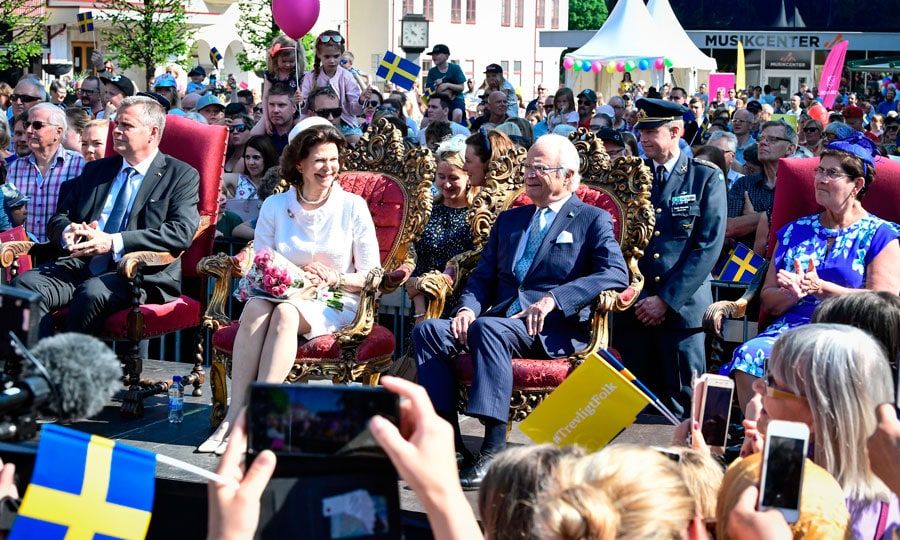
(43, 191)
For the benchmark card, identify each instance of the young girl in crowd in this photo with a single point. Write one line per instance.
(564, 111)
(328, 71)
(281, 62)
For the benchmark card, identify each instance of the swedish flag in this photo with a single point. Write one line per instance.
(742, 264)
(85, 486)
(86, 22)
(397, 70)
(215, 56)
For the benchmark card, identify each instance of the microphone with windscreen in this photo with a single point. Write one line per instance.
(70, 376)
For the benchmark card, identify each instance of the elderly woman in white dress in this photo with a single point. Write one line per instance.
(321, 229)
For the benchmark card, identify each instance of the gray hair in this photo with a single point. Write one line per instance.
(789, 132)
(57, 115)
(616, 100)
(36, 83)
(843, 374)
(150, 112)
(568, 155)
(730, 139)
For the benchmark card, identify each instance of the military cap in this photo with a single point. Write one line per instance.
(611, 135)
(656, 112)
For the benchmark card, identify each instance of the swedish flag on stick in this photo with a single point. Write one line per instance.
(86, 22)
(742, 264)
(398, 70)
(215, 56)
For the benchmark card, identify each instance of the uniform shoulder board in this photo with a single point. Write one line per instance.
(707, 163)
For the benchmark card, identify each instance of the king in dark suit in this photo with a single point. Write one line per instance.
(140, 200)
(529, 296)
(661, 339)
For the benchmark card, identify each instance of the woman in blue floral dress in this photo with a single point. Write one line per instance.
(841, 250)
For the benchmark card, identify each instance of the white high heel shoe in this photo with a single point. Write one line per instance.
(210, 445)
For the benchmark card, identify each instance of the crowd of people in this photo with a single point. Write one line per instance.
(828, 360)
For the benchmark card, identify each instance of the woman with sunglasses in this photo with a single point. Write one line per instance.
(841, 250)
(832, 377)
(327, 71)
(812, 136)
(257, 156)
(238, 133)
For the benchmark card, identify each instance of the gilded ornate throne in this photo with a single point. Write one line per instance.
(396, 184)
(623, 189)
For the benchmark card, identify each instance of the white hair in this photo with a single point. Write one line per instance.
(843, 374)
(32, 80)
(730, 139)
(567, 155)
(57, 115)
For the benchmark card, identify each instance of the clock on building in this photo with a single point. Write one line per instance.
(413, 33)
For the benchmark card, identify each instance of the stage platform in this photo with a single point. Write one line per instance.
(180, 504)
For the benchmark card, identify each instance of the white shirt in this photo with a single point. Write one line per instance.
(136, 181)
(669, 165)
(544, 220)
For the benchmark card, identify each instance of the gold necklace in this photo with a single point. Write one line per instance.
(318, 201)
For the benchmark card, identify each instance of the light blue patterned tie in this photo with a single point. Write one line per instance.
(116, 220)
(536, 234)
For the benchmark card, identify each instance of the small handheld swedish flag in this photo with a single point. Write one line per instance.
(742, 264)
(85, 486)
(215, 56)
(398, 70)
(86, 22)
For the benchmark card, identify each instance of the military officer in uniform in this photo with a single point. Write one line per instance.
(661, 339)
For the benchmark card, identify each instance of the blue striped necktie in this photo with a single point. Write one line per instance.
(536, 234)
(116, 220)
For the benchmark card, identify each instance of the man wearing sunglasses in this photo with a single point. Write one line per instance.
(41, 174)
(90, 94)
(27, 93)
(325, 103)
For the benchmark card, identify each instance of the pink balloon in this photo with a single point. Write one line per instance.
(659, 63)
(295, 17)
(620, 67)
(568, 63)
(596, 67)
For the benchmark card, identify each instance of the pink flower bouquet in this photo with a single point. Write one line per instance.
(272, 275)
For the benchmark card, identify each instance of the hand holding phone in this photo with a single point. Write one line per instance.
(784, 457)
(715, 410)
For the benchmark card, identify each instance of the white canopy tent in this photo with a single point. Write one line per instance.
(631, 33)
(687, 59)
(622, 37)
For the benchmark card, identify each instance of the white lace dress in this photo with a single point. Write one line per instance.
(340, 234)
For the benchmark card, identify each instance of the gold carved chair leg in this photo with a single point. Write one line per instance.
(217, 381)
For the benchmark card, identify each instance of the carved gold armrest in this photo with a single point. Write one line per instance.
(10, 251)
(135, 261)
(354, 333)
(222, 268)
(732, 309)
(436, 287)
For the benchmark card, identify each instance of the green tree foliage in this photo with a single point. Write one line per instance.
(21, 32)
(146, 34)
(257, 30)
(587, 14)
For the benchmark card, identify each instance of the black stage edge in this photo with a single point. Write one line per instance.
(180, 502)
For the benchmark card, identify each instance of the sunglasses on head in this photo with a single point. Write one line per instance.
(336, 112)
(37, 124)
(24, 98)
(239, 128)
(332, 38)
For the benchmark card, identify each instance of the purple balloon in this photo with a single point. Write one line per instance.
(295, 17)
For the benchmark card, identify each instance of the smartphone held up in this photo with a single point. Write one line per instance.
(784, 457)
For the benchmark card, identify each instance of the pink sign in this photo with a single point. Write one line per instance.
(830, 82)
(720, 81)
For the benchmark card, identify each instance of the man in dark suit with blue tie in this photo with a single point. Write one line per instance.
(529, 296)
(140, 200)
(661, 339)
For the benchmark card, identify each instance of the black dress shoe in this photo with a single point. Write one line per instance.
(470, 478)
(464, 459)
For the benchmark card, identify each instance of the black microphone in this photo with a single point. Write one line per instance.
(73, 377)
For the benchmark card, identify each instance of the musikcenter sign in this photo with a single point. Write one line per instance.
(788, 60)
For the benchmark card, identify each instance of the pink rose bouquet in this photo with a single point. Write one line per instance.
(271, 275)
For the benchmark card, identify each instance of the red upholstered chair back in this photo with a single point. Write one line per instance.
(387, 204)
(795, 194)
(593, 196)
(203, 147)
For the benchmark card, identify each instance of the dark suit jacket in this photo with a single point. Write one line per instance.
(686, 241)
(574, 273)
(163, 216)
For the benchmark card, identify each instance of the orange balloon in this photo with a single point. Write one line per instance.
(819, 113)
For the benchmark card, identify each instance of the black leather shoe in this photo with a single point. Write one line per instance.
(464, 459)
(470, 478)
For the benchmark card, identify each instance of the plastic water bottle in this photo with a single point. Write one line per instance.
(176, 401)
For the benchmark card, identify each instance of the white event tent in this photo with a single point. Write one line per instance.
(633, 33)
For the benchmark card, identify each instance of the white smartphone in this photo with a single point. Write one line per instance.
(782, 473)
(715, 410)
